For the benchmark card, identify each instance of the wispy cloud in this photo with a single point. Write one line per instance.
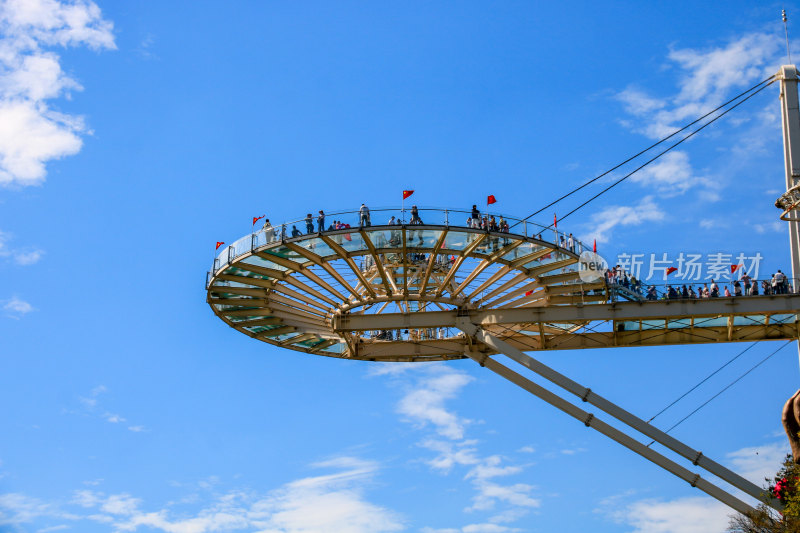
(693, 514)
(687, 515)
(16, 308)
(22, 257)
(705, 78)
(758, 462)
(425, 404)
(332, 501)
(31, 132)
(91, 407)
(671, 175)
(603, 223)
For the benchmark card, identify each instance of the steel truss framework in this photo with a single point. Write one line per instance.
(439, 292)
(452, 293)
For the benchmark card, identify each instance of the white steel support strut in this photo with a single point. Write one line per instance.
(790, 115)
(617, 412)
(790, 118)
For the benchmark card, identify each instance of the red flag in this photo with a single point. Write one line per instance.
(528, 293)
(256, 219)
(670, 270)
(594, 248)
(555, 221)
(734, 268)
(219, 243)
(406, 194)
(491, 199)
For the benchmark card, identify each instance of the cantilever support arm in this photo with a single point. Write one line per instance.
(587, 395)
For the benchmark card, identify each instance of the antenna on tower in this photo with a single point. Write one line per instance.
(786, 30)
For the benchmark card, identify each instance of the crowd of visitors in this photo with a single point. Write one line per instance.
(744, 286)
(476, 220)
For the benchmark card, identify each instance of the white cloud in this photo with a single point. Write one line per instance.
(53, 528)
(572, 451)
(90, 407)
(28, 258)
(120, 504)
(775, 226)
(31, 133)
(706, 78)
(758, 462)
(17, 307)
(708, 223)
(473, 528)
(686, 515)
(711, 74)
(17, 509)
(670, 175)
(424, 404)
(20, 257)
(609, 218)
(637, 102)
(699, 514)
(329, 502)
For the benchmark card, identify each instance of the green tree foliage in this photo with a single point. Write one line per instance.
(784, 487)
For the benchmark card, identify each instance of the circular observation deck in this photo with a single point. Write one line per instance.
(290, 291)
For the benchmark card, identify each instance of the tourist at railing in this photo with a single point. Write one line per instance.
(313, 224)
(415, 219)
(363, 216)
(269, 232)
(776, 285)
(321, 221)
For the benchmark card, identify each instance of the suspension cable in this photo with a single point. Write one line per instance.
(682, 396)
(573, 191)
(728, 386)
(686, 138)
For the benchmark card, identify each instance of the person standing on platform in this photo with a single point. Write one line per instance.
(309, 224)
(267, 229)
(363, 216)
(321, 221)
(415, 215)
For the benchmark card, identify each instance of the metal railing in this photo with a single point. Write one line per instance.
(697, 290)
(384, 217)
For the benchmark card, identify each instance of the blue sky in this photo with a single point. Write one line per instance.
(134, 135)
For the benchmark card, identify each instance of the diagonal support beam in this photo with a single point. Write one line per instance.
(464, 254)
(620, 414)
(431, 261)
(484, 264)
(379, 264)
(353, 266)
(284, 275)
